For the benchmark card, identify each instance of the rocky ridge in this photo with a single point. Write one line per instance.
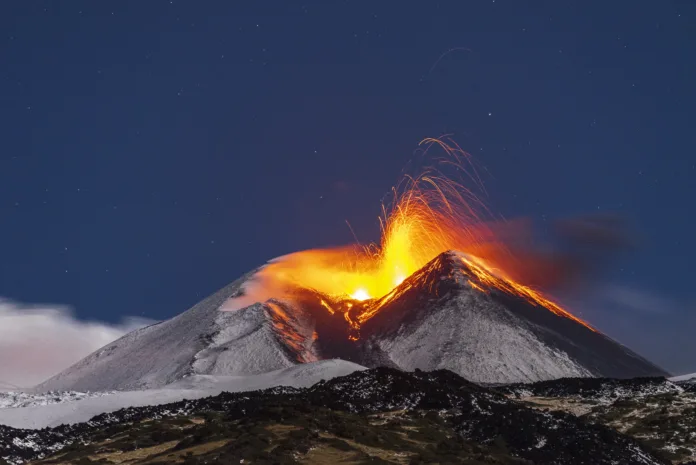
(481, 422)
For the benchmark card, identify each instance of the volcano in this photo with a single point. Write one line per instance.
(446, 315)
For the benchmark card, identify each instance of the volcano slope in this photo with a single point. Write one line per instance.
(201, 341)
(441, 317)
(380, 415)
(445, 317)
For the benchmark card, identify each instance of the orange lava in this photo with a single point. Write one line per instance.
(430, 214)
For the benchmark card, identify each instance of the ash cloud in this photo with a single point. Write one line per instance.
(572, 253)
(39, 341)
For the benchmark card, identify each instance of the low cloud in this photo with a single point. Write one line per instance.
(39, 341)
(631, 299)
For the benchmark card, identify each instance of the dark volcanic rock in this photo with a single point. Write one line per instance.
(658, 412)
(478, 416)
(593, 388)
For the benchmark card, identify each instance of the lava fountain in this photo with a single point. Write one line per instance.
(430, 214)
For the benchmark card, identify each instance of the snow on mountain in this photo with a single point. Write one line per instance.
(201, 341)
(190, 387)
(442, 316)
(17, 399)
(690, 378)
(438, 319)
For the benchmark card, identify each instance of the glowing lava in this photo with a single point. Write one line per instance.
(430, 214)
(360, 295)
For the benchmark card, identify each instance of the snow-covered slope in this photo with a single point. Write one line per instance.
(191, 387)
(442, 316)
(203, 340)
(438, 319)
(690, 378)
(12, 399)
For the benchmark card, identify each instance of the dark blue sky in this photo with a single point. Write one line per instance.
(154, 151)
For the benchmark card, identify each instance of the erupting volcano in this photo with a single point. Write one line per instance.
(447, 287)
(430, 214)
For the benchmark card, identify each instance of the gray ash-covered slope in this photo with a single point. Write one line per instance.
(437, 319)
(200, 341)
(467, 414)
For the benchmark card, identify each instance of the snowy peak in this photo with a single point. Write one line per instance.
(443, 275)
(453, 272)
(452, 314)
(446, 317)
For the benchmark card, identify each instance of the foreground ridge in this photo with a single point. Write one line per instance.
(656, 411)
(382, 415)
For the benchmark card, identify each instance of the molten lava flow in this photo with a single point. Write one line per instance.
(430, 214)
(360, 295)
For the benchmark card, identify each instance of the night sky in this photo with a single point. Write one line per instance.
(154, 151)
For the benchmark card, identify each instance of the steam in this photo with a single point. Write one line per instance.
(39, 341)
(572, 253)
(255, 289)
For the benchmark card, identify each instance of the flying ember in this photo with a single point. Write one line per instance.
(430, 214)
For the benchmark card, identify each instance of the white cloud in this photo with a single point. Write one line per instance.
(39, 341)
